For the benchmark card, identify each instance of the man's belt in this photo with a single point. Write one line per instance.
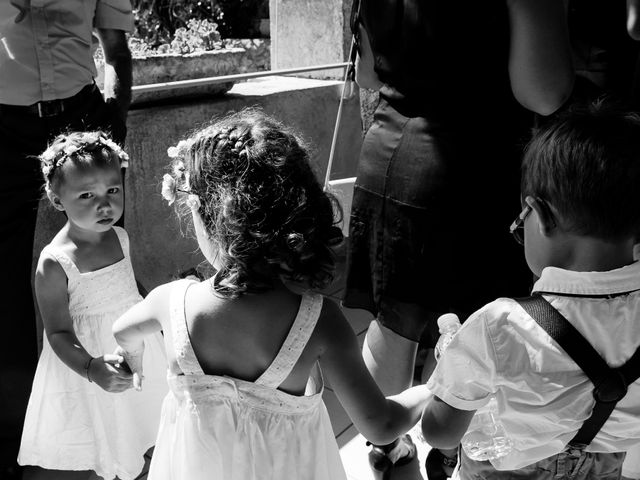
(51, 108)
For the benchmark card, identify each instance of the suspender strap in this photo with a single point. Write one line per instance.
(610, 384)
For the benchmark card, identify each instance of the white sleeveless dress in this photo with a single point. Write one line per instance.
(72, 424)
(216, 427)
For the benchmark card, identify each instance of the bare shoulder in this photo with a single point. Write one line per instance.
(163, 292)
(49, 269)
(159, 299)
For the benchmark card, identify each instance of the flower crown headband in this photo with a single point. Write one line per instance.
(54, 157)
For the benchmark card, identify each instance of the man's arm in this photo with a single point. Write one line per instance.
(540, 64)
(633, 19)
(117, 69)
(366, 76)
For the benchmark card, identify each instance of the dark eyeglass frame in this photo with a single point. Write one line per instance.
(517, 227)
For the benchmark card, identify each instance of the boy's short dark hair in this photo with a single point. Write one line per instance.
(586, 164)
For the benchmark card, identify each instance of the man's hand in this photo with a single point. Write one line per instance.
(117, 70)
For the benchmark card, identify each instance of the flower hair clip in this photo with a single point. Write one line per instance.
(169, 188)
(178, 150)
(193, 202)
(170, 191)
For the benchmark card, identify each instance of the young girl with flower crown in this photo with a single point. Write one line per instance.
(243, 348)
(82, 417)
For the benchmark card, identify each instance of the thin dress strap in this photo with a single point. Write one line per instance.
(185, 356)
(297, 338)
(123, 238)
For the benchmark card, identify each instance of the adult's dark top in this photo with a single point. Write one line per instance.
(439, 58)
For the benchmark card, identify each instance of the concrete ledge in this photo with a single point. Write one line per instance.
(159, 250)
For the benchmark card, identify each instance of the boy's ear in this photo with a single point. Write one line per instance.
(55, 200)
(546, 222)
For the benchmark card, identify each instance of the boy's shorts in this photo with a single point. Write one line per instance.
(568, 465)
(631, 465)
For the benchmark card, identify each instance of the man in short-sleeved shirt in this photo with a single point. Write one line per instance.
(46, 86)
(543, 396)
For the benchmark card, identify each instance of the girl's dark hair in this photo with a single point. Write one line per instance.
(260, 203)
(81, 148)
(586, 164)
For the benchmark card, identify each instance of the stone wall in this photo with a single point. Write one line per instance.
(310, 32)
(239, 56)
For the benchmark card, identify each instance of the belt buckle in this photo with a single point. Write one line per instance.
(50, 108)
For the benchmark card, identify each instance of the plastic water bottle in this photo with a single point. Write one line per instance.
(486, 438)
(448, 324)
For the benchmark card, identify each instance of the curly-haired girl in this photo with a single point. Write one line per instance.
(246, 396)
(84, 281)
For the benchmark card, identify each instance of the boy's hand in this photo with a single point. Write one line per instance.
(106, 371)
(133, 362)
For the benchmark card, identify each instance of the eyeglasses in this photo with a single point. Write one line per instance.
(517, 227)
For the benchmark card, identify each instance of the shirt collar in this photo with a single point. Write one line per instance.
(613, 282)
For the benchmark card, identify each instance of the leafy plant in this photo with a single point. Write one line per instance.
(199, 35)
(156, 21)
(139, 48)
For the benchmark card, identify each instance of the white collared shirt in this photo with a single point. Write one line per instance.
(543, 396)
(46, 46)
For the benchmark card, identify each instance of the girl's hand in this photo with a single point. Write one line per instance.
(134, 362)
(108, 373)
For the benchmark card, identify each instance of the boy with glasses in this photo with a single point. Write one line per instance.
(581, 198)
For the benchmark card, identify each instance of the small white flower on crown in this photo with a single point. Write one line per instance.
(169, 188)
(177, 150)
(193, 201)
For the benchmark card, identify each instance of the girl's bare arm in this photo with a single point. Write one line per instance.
(52, 297)
(141, 320)
(381, 420)
(443, 425)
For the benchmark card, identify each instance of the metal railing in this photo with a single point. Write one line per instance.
(155, 87)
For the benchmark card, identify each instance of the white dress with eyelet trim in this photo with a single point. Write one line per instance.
(72, 424)
(217, 427)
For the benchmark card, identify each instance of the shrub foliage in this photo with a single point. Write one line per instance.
(160, 22)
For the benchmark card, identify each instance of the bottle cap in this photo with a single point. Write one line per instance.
(448, 320)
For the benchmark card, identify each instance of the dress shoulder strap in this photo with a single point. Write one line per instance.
(123, 238)
(294, 344)
(70, 269)
(185, 356)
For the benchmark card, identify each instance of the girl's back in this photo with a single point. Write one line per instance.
(238, 370)
(223, 331)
